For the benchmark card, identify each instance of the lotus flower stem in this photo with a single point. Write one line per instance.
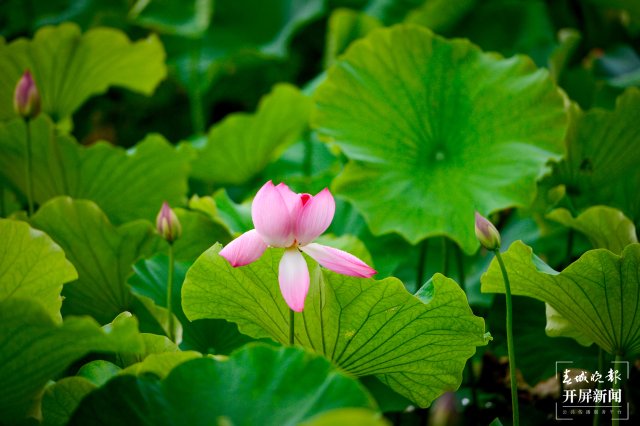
(596, 416)
(512, 354)
(291, 327)
(169, 291)
(28, 175)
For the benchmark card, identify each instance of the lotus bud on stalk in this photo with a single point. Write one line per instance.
(26, 99)
(167, 224)
(489, 238)
(486, 233)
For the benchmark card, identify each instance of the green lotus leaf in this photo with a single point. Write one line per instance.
(215, 336)
(201, 228)
(87, 14)
(160, 364)
(154, 318)
(127, 185)
(236, 38)
(34, 349)
(205, 392)
(62, 398)
(387, 399)
(531, 332)
(440, 15)
(188, 19)
(242, 145)
(559, 326)
(436, 129)
(69, 67)
(367, 327)
(102, 254)
(391, 11)
(605, 227)
(32, 266)
(346, 26)
(8, 201)
(597, 294)
(516, 27)
(153, 344)
(236, 216)
(603, 152)
(348, 417)
(307, 166)
(98, 371)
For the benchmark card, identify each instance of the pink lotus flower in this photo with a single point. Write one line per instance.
(292, 221)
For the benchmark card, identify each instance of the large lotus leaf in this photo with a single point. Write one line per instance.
(215, 336)
(597, 294)
(69, 67)
(127, 185)
(34, 349)
(603, 155)
(242, 145)
(365, 326)
(605, 227)
(102, 254)
(437, 129)
(280, 386)
(32, 266)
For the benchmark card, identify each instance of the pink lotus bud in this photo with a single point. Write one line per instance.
(486, 233)
(167, 224)
(26, 99)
